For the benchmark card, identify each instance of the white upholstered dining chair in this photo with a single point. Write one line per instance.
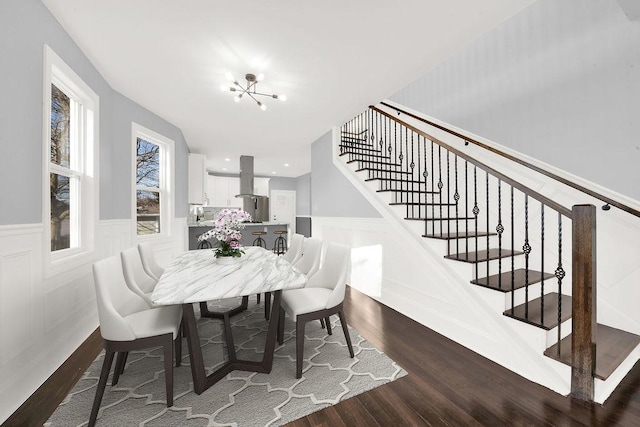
(320, 298)
(149, 262)
(135, 276)
(127, 323)
(295, 248)
(309, 262)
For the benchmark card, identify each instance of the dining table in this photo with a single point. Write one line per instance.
(197, 276)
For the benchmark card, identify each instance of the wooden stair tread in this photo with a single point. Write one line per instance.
(383, 170)
(365, 153)
(375, 163)
(459, 235)
(536, 313)
(612, 347)
(440, 219)
(420, 204)
(519, 276)
(408, 191)
(483, 255)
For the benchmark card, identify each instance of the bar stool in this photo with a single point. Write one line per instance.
(259, 241)
(280, 245)
(205, 244)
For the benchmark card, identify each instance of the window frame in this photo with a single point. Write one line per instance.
(166, 180)
(83, 168)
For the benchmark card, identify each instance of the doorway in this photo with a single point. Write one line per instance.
(283, 208)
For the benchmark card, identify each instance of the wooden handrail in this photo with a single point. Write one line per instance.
(532, 193)
(538, 169)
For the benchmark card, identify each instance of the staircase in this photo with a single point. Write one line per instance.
(517, 240)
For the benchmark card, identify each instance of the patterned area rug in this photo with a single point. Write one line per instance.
(242, 398)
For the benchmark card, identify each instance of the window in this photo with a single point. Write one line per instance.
(153, 160)
(70, 115)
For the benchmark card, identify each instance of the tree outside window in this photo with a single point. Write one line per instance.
(148, 187)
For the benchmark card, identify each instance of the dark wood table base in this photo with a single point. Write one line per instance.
(205, 312)
(202, 381)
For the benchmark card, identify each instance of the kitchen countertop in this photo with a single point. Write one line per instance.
(248, 224)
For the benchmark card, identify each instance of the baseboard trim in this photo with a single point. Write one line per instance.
(37, 409)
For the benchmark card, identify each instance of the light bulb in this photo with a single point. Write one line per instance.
(237, 97)
(263, 107)
(282, 97)
(260, 77)
(224, 88)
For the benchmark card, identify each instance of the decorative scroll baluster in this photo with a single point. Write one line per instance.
(559, 273)
(448, 205)
(499, 230)
(542, 263)
(476, 211)
(412, 165)
(440, 185)
(526, 248)
(433, 193)
(456, 198)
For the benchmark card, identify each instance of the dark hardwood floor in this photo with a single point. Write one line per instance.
(447, 385)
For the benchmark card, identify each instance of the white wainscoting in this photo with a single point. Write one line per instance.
(44, 319)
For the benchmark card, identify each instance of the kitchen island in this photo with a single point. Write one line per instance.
(247, 237)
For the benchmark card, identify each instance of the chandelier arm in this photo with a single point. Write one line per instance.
(264, 94)
(251, 95)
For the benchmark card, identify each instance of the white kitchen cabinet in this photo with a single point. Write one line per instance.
(261, 186)
(196, 180)
(224, 192)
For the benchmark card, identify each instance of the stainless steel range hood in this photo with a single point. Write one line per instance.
(246, 178)
(256, 206)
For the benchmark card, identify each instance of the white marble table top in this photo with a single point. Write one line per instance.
(197, 276)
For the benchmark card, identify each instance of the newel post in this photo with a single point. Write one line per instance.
(583, 336)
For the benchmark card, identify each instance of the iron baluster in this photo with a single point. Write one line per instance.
(499, 230)
(513, 274)
(466, 207)
(448, 222)
(487, 208)
(433, 193)
(476, 211)
(440, 185)
(456, 198)
(559, 273)
(526, 248)
(542, 263)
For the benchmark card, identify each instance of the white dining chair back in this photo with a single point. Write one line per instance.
(151, 266)
(321, 298)
(128, 323)
(135, 276)
(309, 262)
(115, 300)
(295, 248)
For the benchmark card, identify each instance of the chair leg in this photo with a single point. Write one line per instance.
(168, 368)
(119, 368)
(328, 323)
(280, 334)
(322, 323)
(102, 383)
(178, 349)
(267, 305)
(345, 329)
(299, 346)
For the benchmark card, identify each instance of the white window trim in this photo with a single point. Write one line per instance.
(167, 177)
(56, 71)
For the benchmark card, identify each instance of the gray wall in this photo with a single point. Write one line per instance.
(303, 194)
(25, 26)
(559, 82)
(331, 192)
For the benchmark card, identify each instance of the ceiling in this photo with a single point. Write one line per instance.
(331, 59)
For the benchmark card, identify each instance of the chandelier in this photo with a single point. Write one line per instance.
(249, 89)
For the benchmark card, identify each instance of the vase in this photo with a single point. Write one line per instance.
(228, 260)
